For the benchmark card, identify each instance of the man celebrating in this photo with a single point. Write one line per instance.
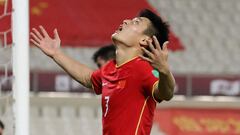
(132, 83)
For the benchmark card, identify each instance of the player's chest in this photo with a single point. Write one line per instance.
(119, 83)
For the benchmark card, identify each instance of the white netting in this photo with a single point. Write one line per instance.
(6, 94)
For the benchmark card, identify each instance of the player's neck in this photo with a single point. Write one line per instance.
(126, 53)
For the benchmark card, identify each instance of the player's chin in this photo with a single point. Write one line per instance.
(118, 38)
(115, 36)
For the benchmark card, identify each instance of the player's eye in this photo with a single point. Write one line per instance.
(136, 21)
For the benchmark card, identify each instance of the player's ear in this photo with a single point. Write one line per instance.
(144, 41)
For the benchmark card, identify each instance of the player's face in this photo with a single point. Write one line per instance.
(130, 32)
(100, 62)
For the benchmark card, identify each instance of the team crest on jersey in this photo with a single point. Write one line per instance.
(155, 73)
(121, 84)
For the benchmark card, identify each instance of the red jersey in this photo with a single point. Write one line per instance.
(127, 97)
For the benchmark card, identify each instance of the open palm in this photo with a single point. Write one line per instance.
(50, 46)
(157, 57)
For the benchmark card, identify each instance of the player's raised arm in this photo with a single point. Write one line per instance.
(159, 60)
(51, 47)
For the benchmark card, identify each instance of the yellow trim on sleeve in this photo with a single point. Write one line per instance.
(153, 88)
(139, 120)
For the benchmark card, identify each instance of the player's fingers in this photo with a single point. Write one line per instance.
(151, 46)
(34, 42)
(147, 52)
(35, 37)
(44, 32)
(156, 43)
(145, 58)
(165, 46)
(56, 36)
(37, 33)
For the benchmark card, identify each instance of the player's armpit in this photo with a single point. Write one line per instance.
(96, 81)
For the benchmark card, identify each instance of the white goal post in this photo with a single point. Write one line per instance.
(20, 33)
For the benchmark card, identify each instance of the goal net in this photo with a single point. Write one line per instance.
(6, 77)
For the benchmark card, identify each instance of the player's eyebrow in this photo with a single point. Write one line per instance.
(139, 18)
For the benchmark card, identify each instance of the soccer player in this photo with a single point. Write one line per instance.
(130, 85)
(1, 127)
(104, 54)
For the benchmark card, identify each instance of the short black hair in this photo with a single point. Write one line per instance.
(1, 124)
(158, 27)
(106, 53)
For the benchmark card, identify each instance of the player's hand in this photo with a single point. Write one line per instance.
(157, 57)
(50, 46)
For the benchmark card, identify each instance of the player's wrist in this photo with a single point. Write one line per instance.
(56, 54)
(164, 69)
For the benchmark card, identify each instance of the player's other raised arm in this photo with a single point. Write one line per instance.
(158, 58)
(51, 47)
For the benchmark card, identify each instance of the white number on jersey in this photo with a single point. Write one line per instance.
(107, 98)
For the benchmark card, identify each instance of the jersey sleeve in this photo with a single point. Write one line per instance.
(149, 79)
(96, 81)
